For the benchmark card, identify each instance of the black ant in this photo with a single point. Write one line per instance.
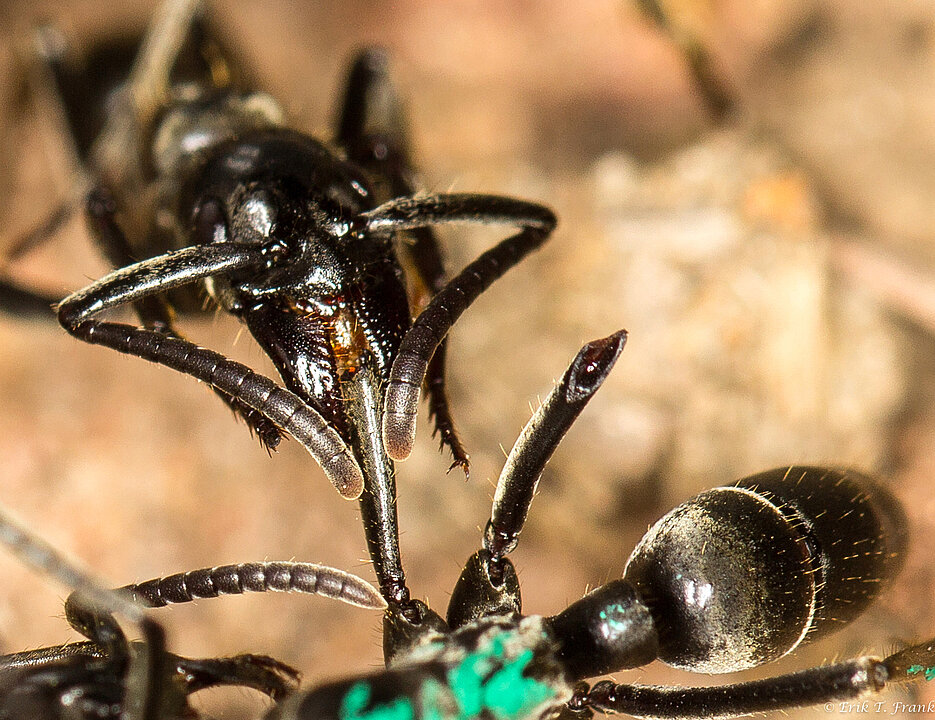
(197, 179)
(736, 577)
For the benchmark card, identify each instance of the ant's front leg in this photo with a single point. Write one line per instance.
(373, 131)
(848, 680)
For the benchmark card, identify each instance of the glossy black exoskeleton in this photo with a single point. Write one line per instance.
(731, 579)
(200, 177)
(193, 180)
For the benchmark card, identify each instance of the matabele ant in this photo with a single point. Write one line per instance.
(734, 578)
(194, 181)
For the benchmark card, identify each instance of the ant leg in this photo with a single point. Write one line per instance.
(147, 85)
(488, 584)
(41, 233)
(180, 267)
(431, 326)
(45, 656)
(43, 85)
(214, 61)
(258, 672)
(372, 130)
(19, 301)
(717, 96)
(842, 681)
(440, 411)
(371, 124)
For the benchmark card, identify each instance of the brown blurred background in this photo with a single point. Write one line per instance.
(774, 264)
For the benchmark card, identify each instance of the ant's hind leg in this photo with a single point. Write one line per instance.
(373, 131)
(843, 681)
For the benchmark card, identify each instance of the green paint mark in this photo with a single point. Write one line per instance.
(916, 669)
(466, 681)
(506, 693)
(511, 695)
(356, 699)
(613, 617)
(488, 681)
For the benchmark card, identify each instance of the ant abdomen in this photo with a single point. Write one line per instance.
(741, 575)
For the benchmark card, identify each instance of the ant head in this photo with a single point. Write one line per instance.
(286, 195)
(284, 161)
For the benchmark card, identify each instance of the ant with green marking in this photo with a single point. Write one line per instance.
(298, 242)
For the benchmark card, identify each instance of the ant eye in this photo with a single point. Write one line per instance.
(254, 217)
(259, 213)
(210, 225)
